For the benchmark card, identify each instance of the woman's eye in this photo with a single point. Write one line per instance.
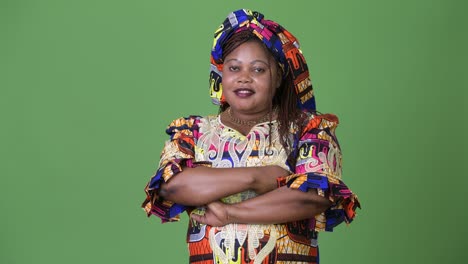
(233, 68)
(259, 70)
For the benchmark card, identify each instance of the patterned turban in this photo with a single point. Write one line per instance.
(282, 44)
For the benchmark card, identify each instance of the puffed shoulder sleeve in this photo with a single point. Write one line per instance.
(318, 166)
(178, 153)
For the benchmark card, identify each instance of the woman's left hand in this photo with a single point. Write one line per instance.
(216, 214)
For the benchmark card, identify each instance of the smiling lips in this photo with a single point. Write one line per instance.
(244, 92)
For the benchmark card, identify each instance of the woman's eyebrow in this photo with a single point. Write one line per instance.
(231, 60)
(262, 61)
(252, 62)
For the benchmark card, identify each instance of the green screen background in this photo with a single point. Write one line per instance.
(88, 87)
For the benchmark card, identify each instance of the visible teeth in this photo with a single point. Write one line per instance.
(244, 91)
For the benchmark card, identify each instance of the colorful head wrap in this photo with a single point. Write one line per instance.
(283, 45)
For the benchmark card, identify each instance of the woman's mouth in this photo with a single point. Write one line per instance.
(244, 92)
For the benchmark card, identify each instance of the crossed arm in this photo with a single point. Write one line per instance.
(205, 186)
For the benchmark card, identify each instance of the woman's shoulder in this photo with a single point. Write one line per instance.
(189, 122)
(320, 121)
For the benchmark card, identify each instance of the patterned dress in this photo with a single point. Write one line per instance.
(206, 141)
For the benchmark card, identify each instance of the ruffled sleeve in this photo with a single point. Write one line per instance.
(318, 166)
(178, 153)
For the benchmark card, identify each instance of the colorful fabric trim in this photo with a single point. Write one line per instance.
(283, 45)
(319, 167)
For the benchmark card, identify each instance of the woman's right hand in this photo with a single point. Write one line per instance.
(265, 178)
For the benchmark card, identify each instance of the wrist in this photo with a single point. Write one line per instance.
(231, 213)
(265, 179)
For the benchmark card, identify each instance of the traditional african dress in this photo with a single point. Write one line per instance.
(206, 141)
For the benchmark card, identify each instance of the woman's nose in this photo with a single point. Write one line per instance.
(244, 77)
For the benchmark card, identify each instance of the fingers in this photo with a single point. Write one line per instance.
(198, 218)
(215, 215)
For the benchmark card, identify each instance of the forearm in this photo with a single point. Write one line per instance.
(202, 185)
(278, 206)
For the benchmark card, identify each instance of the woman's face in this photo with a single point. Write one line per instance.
(250, 79)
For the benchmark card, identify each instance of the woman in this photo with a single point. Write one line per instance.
(262, 177)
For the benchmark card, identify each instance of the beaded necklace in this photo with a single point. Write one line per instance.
(241, 122)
